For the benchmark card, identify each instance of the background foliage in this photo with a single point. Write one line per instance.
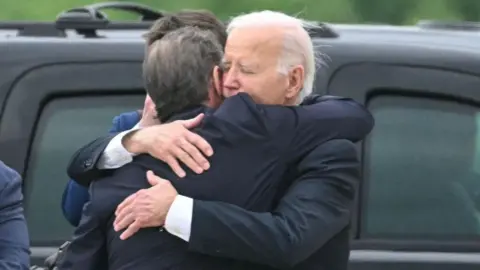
(351, 11)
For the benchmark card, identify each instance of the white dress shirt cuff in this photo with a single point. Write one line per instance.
(115, 155)
(179, 218)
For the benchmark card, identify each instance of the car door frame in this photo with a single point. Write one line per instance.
(32, 91)
(362, 82)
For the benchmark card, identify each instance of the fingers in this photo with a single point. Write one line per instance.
(191, 123)
(200, 143)
(122, 221)
(153, 179)
(125, 204)
(199, 161)
(184, 157)
(175, 166)
(175, 143)
(190, 150)
(131, 230)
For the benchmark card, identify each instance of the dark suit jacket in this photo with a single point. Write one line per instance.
(254, 183)
(14, 241)
(307, 230)
(76, 195)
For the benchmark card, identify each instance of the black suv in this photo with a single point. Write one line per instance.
(62, 82)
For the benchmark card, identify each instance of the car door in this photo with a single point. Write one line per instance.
(418, 202)
(52, 111)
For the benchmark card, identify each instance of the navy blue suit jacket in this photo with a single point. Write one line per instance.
(14, 240)
(254, 147)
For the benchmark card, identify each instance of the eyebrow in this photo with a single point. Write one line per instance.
(241, 64)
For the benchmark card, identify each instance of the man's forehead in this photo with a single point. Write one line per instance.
(245, 42)
(254, 36)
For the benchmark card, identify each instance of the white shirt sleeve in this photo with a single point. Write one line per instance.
(115, 155)
(179, 218)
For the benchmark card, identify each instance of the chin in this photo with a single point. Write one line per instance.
(228, 94)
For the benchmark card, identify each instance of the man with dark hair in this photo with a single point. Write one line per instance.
(202, 19)
(188, 75)
(255, 146)
(76, 193)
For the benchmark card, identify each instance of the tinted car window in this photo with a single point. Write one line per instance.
(65, 125)
(422, 181)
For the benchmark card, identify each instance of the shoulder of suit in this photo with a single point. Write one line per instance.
(8, 176)
(334, 148)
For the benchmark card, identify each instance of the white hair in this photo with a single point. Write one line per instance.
(298, 46)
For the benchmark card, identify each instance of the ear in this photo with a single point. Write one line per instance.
(215, 91)
(218, 79)
(296, 78)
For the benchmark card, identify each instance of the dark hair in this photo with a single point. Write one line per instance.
(202, 19)
(178, 69)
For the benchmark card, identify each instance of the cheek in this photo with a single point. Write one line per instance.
(266, 89)
(252, 86)
(274, 89)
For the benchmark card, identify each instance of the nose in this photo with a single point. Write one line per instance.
(231, 84)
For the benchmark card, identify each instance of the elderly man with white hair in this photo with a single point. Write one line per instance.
(270, 56)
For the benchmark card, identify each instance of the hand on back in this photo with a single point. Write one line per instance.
(171, 143)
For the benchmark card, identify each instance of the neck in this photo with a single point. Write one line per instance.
(182, 113)
(292, 101)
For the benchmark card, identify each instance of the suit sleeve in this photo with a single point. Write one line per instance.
(14, 240)
(83, 164)
(323, 119)
(333, 118)
(82, 167)
(315, 208)
(328, 119)
(87, 249)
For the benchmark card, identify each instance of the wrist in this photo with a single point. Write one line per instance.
(168, 208)
(178, 221)
(172, 200)
(132, 142)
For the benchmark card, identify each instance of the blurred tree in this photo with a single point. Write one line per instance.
(468, 10)
(345, 11)
(381, 11)
(431, 9)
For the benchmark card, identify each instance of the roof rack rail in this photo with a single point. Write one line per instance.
(321, 30)
(86, 20)
(449, 25)
(33, 29)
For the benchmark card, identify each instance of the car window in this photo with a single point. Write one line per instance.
(64, 126)
(423, 181)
